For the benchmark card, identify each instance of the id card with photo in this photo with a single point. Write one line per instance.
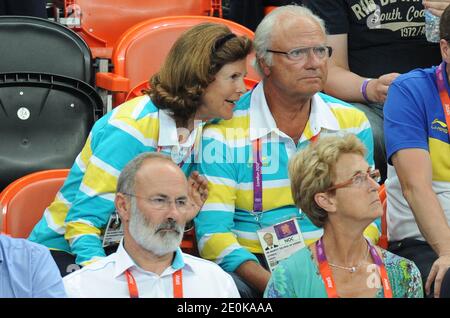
(114, 230)
(281, 240)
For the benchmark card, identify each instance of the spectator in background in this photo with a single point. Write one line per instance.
(373, 41)
(35, 8)
(333, 184)
(417, 130)
(153, 204)
(200, 80)
(281, 115)
(27, 270)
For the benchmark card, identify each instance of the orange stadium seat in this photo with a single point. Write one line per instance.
(23, 202)
(189, 243)
(133, 64)
(101, 22)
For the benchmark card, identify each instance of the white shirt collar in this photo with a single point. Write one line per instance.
(321, 116)
(123, 261)
(168, 134)
(167, 130)
(262, 122)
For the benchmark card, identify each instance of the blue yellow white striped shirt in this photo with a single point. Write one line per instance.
(81, 209)
(226, 226)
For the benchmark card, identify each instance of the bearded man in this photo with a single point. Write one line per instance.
(153, 203)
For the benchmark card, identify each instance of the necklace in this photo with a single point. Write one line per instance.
(351, 269)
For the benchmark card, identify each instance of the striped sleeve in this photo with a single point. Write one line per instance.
(216, 219)
(112, 146)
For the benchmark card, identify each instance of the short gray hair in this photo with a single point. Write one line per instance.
(263, 33)
(127, 177)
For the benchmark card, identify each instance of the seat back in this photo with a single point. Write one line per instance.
(141, 51)
(44, 122)
(23, 202)
(32, 44)
(189, 243)
(102, 22)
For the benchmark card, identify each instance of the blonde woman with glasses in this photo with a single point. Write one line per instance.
(337, 189)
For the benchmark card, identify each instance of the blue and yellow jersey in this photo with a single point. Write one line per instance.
(226, 226)
(81, 209)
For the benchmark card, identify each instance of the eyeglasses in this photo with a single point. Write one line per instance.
(163, 204)
(358, 179)
(301, 53)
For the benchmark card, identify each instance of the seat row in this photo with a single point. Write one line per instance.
(51, 89)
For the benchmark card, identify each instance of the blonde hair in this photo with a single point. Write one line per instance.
(313, 170)
(191, 65)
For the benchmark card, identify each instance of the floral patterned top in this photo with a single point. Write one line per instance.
(298, 277)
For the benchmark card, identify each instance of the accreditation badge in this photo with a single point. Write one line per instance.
(113, 231)
(281, 240)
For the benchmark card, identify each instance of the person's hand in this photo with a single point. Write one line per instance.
(437, 273)
(436, 8)
(198, 193)
(378, 87)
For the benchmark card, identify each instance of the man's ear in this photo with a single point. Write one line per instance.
(264, 67)
(123, 206)
(325, 201)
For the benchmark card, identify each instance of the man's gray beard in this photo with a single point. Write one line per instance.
(147, 236)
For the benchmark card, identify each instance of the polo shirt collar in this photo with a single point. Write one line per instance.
(321, 116)
(262, 122)
(261, 119)
(168, 134)
(167, 129)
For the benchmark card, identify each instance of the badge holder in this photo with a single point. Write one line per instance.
(114, 231)
(279, 241)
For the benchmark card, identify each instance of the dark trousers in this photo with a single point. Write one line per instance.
(66, 261)
(423, 256)
(246, 290)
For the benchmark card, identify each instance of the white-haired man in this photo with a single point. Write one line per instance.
(245, 159)
(152, 201)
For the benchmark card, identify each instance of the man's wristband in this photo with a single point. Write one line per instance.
(364, 89)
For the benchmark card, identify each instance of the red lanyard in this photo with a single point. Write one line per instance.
(177, 281)
(443, 94)
(327, 277)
